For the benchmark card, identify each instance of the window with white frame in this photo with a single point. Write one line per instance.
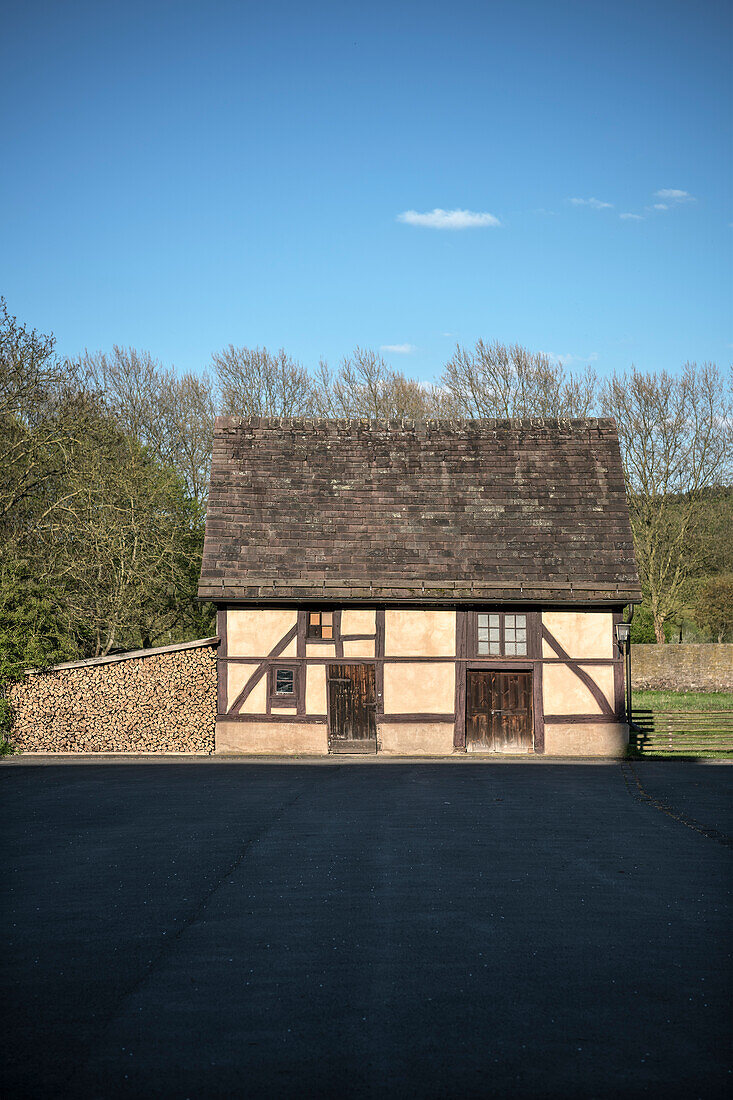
(502, 634)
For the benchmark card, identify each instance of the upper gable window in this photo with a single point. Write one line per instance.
(320, 625)
(502, 634)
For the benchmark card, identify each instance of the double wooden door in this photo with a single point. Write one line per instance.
(498, 711)
(352, 708)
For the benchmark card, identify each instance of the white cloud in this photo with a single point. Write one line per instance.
(595, 204)
(448, 219)
(670, 197)
(632, 217)
(567, 359)
(672, 194)
(398, 349)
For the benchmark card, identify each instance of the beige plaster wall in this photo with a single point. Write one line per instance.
(272, 738)
(564, 693)
(589, 739)
(320, 649)
(417, 633)
(580, 633)
(419, 688)
(362, 648)
(416, 738)
(255, 632)
(315, 689)
(357, 620)
(237, 677)
(408, 738)
(256, 701)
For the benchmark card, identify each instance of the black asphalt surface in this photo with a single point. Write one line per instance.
(379, 930)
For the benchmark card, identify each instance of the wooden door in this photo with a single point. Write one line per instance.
(498, 711)
(352, 708)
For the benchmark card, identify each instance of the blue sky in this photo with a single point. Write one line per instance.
(179, 176)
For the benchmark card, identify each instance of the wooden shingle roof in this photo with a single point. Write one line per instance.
(420, 511)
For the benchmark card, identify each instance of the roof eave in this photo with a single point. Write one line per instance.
(456, 595)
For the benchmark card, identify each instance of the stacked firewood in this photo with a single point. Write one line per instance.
(163, 702)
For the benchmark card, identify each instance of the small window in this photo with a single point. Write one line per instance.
(502, 635)
(320, 625)
(285, 681)
(283, 685)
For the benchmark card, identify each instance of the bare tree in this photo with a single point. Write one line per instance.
(365, 385)
(171, 415)
(496, 380)
(129, 382)
(256, 382)
(187, 411)
(675, 436)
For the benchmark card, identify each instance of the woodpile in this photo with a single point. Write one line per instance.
(161, 702)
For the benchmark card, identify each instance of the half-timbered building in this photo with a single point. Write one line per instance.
(427, 587)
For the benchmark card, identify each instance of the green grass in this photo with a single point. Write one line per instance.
(682, 700)
(633, 753)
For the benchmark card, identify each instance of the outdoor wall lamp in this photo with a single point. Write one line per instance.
(623, 637)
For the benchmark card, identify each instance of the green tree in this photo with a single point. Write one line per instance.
(31, 437)
(714, 610)
(121, 535)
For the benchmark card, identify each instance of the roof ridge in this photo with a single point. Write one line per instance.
(582, 422)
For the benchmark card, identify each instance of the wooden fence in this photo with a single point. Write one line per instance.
(689, 732)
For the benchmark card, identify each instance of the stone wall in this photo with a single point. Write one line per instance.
(157, 700)
(688, 667)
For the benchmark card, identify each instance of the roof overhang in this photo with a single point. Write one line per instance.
(348, 592)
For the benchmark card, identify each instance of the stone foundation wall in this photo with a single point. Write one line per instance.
(153, 701)
(706, 666)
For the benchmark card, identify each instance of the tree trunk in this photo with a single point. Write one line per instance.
(659, 630)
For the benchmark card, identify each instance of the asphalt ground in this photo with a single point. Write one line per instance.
(408, 930)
